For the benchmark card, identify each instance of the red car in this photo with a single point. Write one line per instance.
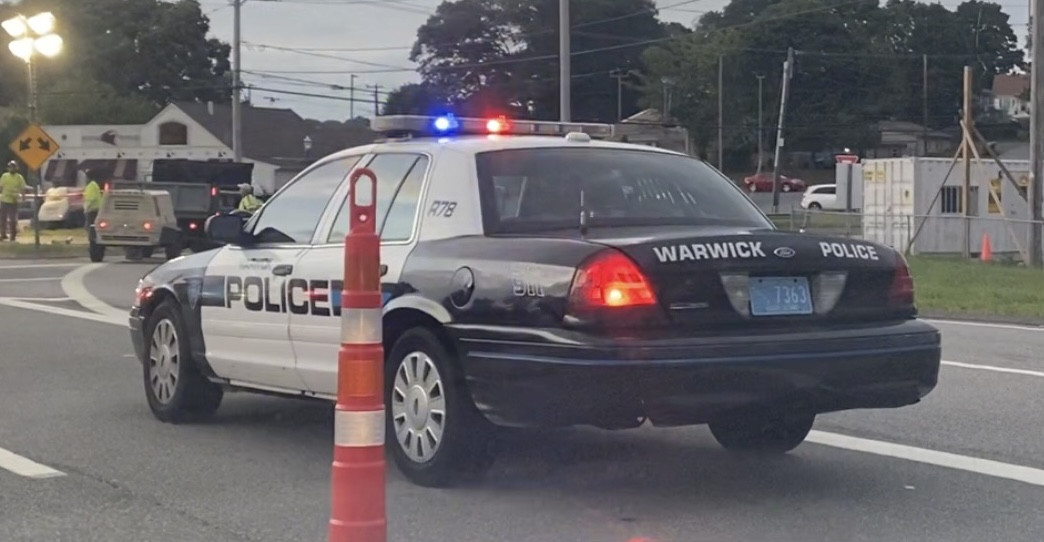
(762, 182)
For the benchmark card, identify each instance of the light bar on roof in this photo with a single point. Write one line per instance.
(447, 125)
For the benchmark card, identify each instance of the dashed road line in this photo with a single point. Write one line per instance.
(23, 466)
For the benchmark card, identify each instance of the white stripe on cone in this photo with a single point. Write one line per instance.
(359, 429)
(361, 326)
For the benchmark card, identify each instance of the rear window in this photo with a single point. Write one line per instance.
(526, 190)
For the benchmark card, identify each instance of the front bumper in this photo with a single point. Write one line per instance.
(137, 324)
(562, 381)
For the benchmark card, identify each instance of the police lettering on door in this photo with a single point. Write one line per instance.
(316, 297)
(848, 250)
(709, 251)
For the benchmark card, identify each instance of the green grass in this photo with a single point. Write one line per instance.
(60, 243)
(953, 287)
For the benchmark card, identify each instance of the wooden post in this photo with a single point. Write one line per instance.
(966, 150)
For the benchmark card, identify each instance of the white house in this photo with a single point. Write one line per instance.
(273, 140)
(1007, 95)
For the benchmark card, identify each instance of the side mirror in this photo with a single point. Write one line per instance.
(226, 228)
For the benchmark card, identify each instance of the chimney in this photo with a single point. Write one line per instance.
(210, 108)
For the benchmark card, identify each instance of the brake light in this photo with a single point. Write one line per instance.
(901, 292)
(103, 224)
(611, 279)
(107, 186)
(147, 225)
(193, 225)
(213, 191)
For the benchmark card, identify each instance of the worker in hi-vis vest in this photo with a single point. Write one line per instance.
(249, 203)
(92, 199)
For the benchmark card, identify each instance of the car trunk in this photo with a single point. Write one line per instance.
(717, 276)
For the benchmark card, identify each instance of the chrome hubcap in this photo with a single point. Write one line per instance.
(164, 361)
(418, 406)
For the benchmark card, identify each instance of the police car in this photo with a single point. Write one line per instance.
(539, 275)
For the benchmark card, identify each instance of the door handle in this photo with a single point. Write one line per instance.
(282, 270)
(261, 259)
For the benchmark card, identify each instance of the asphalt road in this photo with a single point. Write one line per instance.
(71, 400)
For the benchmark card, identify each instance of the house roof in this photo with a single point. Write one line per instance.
(1010, 85)
(274, 135)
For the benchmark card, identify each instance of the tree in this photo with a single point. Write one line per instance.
(413, 99)
(134, 49)
(83, 100)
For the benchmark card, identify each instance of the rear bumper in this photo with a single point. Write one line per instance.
(696, 380)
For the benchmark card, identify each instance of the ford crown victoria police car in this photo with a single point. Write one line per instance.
(554, 279)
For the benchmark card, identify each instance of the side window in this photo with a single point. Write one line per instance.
(828, 190)
(399, 181)
(292, 215)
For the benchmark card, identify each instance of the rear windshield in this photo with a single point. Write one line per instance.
(525, 190)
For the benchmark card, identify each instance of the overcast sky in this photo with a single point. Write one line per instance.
(331, 39)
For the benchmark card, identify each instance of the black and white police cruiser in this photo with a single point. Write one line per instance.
(538, 275)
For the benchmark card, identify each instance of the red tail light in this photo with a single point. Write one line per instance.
(103, 224)
(193, 225)
(902, 291)
(610, 279)
(213, 191)
(107, 186)
(147, 226)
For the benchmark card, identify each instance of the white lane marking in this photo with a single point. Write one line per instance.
(994, 368)
(23, 466)
(112, 319)
(996, 469)
(73, 286)
(41, 265)
(45, 299)
(31, 279)
(971, 323)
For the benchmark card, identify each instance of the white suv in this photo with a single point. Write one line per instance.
(819, 197)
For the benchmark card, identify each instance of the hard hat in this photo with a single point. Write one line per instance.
(12, 163)
(245, 186)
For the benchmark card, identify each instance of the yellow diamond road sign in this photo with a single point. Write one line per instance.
(33, 146)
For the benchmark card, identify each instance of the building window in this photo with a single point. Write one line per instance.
(173, 133)
(951, 200)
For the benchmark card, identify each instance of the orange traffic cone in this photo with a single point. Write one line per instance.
(986, 253)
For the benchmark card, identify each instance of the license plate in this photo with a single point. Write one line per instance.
(779, 296)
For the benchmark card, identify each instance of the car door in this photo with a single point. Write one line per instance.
(315, 329)
(247, 340)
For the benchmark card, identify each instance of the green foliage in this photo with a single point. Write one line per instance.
(857, 63)
(121, 59)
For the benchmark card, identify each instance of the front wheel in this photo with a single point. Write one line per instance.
(96, 252)
(174, 387)
(770, 434)
(814, 206)
(435, 433)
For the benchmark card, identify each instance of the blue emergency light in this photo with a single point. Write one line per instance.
(448, 124)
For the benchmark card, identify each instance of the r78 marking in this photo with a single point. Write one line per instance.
(442, 208)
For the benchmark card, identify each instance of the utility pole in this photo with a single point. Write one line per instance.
(618, 74)
(237, 64)
(967, 151)
(721, 113)
(924, 104)
(1036, 191)
(788, 73)
(376, 99)
(761, 131)
(351, 98)
(564, 68)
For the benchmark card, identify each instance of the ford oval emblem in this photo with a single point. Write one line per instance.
(784, 252)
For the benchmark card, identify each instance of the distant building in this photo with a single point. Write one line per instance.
(647, 128)
(273, 140)
(1007, 93)
(902, 138)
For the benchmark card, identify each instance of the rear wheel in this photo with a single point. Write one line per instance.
(786, 188)
(753, 187)
(815, 206)
(96, 252)
(435, 433)
(174, 387)
(172, 250)
(766, 434)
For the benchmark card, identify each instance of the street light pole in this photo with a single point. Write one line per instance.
(237, 106)
(33, 35)
(564, 67)
(761, 158)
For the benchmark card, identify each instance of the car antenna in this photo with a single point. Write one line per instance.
(583, 214)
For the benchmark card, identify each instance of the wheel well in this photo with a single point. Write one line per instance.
(399, 321)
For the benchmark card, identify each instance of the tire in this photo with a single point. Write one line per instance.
(815, 206)
(96, 252)
(771, 435)
(753, 187)
(188, 395)
(466, 448)
(172, 251)
(786, 188)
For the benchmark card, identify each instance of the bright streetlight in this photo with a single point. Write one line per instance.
(33, 35)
